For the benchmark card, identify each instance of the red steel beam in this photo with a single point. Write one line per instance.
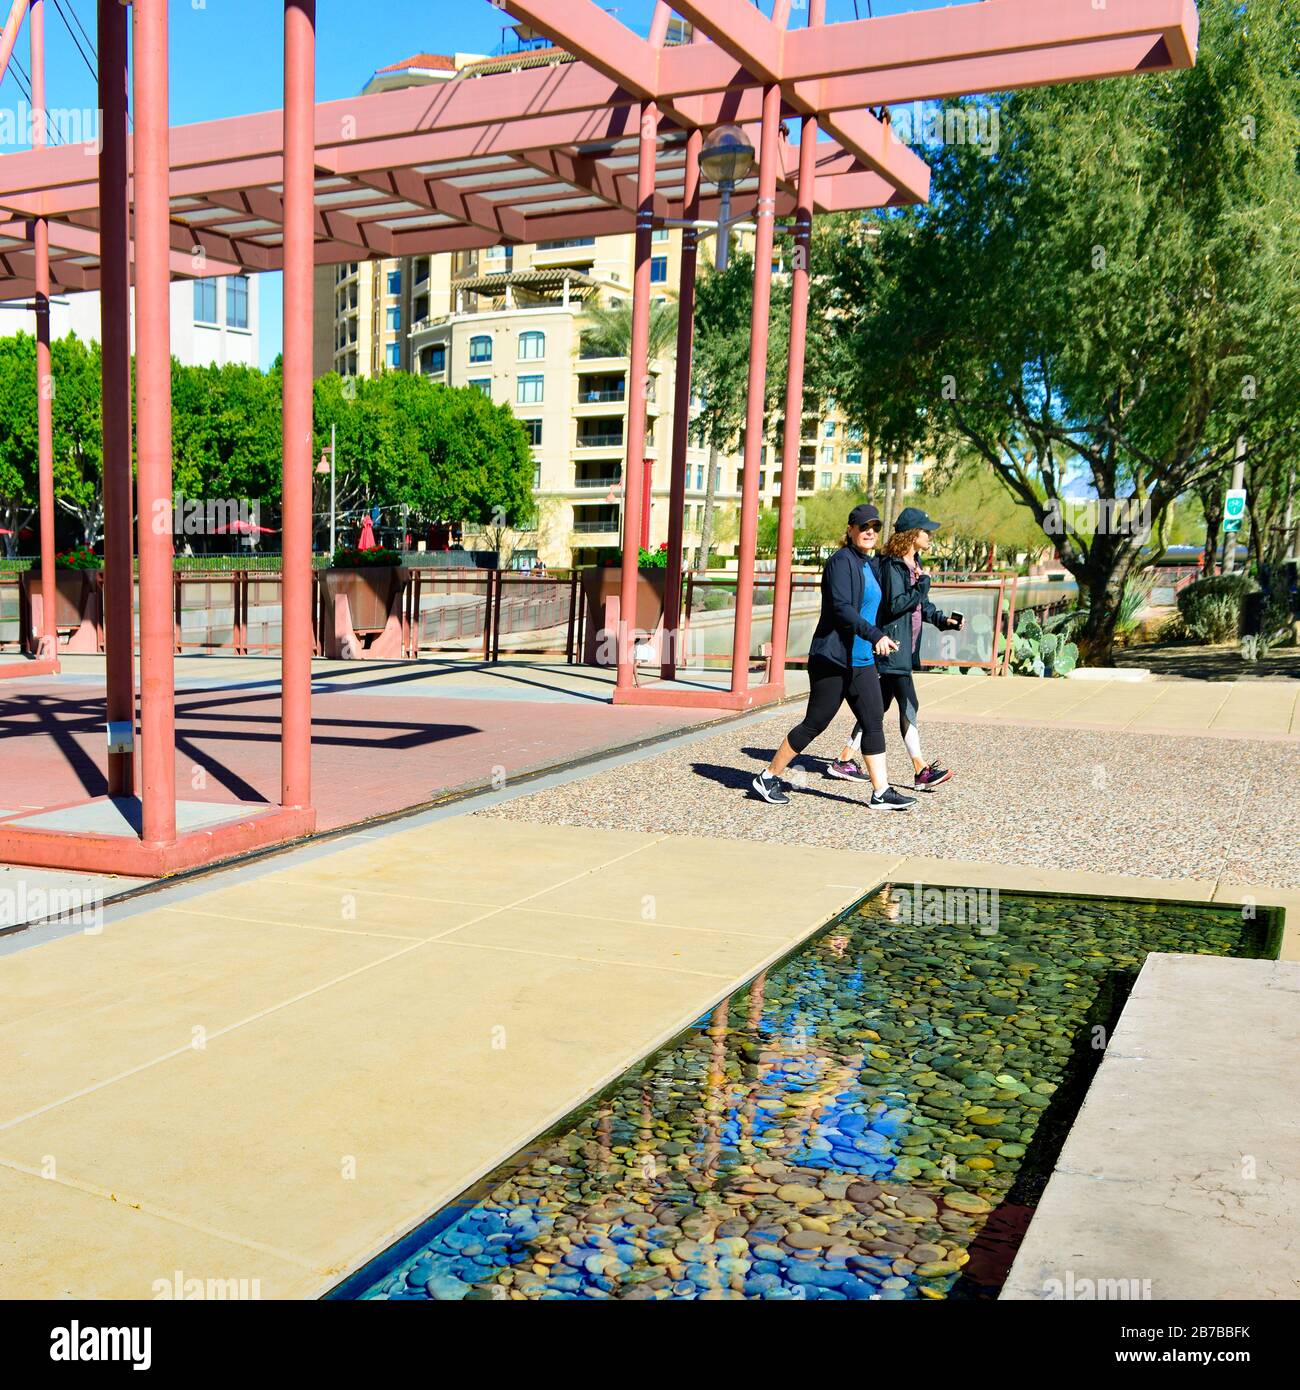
(637, 390)
(115, 380)
(299, 210)
(48, 649)
(153, 420)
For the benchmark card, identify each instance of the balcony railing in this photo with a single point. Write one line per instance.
(593, 397)
(591, 527)
(605, 480)
(600, 441)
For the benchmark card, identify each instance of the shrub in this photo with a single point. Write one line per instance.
(1211, 608)
(363, 559)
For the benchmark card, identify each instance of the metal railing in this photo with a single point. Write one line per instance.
(601, 441)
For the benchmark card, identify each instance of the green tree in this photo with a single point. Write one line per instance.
(1115, 296)
(18, 490)
(720, 372)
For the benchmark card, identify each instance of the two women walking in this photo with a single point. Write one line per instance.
(863, 653)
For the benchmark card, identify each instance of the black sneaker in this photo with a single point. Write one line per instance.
(890, 800)
(770, 789)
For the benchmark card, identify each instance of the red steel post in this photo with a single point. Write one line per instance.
(299, 267)
(763, 238)
(153, 412)
(48, 638)
(799, 288)
(638, 367)
(115, 336)
(681, 407)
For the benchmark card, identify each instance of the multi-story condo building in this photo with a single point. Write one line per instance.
(214, 321)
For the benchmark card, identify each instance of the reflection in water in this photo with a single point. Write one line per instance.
(874, 1118)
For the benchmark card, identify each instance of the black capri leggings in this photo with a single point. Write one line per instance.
(829, 686)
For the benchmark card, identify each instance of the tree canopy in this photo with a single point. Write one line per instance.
(1110, 300)
(443, 453)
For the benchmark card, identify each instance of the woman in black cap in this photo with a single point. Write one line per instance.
(842, 663)
(904, 605)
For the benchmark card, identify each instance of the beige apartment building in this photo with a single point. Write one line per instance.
(509, 321)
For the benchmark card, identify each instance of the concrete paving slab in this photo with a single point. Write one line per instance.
(133, 1251)
(1180, 1178)
(121, 815)
(686, 882)
(85, 1011)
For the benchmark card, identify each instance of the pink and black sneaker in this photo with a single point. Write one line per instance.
(847, 772)
(930, 777)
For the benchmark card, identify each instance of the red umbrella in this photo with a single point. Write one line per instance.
(367, 541)
(243, 528)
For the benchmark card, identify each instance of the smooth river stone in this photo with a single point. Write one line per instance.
(966, 1202)
(914, 1204)
(799, 1195)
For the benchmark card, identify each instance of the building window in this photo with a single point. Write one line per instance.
(658, 270)
(395, 320)
(717, 478)
(530, 390)
(660, 234)
(394, 282)
(534, 430)
(394, 354)
(480, 348)
(699, 477)
(237, 301)
(828, 454)
(826, 480)
(205, 301)
(435, 360)
(853, 481)
(854, 456)
(532, 346)
(855, 432)
(830, 429)
(481, 384)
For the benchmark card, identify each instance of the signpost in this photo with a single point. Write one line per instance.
(1234, 509)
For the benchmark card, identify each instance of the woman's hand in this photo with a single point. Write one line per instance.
(886, 646)
(956, 622)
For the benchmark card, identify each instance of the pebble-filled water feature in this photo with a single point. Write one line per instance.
(873, 1118)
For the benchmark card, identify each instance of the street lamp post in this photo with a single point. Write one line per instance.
(725, 159)
(322, 468)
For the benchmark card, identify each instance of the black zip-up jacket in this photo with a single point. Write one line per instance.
(841, 616)
(898, 598)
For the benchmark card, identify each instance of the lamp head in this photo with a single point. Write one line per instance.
(726, 155)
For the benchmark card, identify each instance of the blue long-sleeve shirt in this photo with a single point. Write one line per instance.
(863, 655)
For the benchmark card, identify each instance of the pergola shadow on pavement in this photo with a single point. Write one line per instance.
(609, 141)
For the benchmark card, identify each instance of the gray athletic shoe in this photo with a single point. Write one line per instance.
(770, 789)
(890, 800)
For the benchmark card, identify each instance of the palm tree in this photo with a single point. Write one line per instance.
(609, 330)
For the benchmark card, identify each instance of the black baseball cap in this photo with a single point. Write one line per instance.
(914, 519)
(863, 515)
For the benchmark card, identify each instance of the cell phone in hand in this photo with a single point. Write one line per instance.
(956, 620)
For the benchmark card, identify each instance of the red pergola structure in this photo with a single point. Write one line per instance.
(606, 140)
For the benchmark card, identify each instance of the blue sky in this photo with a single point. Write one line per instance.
(226, 59)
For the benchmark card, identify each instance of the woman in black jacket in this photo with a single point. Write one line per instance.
(842, 664)
(904, 605)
